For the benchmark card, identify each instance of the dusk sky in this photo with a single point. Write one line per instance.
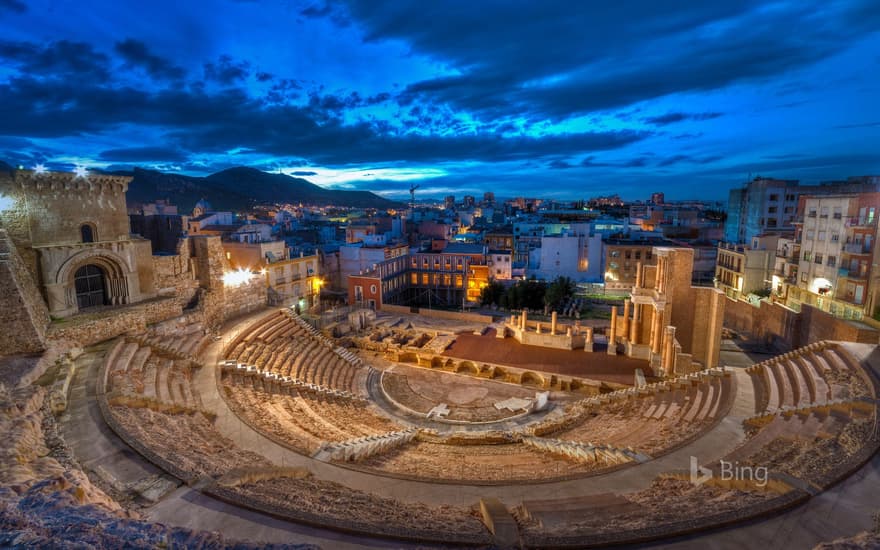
(522, 98)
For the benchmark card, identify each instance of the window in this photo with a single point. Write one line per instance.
(837, 213)
(615, 253)
(638, 254)
(811, 235)
(821, 235)
(803, 277)
(87, 233)
(788, 209)
(823, 212)
(835, 237)
(812, 212)
(832, 261)
(358, 293)
(807, 255)
(772, 210)
(372, 289)
(627, 254)
(774, 198)
(817, 258)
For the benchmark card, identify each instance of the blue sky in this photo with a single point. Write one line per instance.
(557, 99)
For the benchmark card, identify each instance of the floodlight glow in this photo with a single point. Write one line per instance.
(237, 278)
(81, 171)
(40, 169)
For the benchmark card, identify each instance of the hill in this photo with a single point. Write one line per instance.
(239, 188)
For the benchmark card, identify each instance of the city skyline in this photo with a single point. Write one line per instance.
(528, 100)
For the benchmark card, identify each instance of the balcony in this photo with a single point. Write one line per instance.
(853, 275)
(856, 248)
(861, 222)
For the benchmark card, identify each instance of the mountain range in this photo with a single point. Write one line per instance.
(241, 187)
(237, 189)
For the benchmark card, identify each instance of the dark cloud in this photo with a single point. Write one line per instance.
(590, 162)
(217, 121)
(15, 6)
(559, 164)
(673, 117)
(537, 61)
(227, 71)
(136, 54)
(638, 162)
(61, 59)
(676, 159)
(144, 154)
(303, 173)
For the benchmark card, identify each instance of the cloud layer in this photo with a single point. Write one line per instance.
(627, 95)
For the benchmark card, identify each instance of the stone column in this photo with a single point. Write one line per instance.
(668, 358)
(612, 332)
(635, 325)
(588, 339)
(661, 273)
(638, 274)
(657, 332)
(626, 322)
(538, 327)
(523, 320)
(553, 318)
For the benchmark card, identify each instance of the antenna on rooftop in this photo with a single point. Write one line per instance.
(412, 196)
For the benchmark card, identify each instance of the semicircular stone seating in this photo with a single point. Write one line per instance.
(816, 414)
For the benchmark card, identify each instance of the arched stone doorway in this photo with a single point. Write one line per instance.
(90, 284)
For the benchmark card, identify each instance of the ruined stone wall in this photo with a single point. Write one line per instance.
(681, 296)
(174, 275)
(817, 325)
(709, 306)
(224, 303)
(14, 219)
(84, 330)
(23, 313)
(779, 326)
(210, 261)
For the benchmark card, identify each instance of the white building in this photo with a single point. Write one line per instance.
(574, 255)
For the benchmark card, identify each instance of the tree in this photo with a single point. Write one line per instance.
(559, 291)
(491, 293)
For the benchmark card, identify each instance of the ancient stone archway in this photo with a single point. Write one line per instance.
(437, 363)
(89, 283)
(499, 373)
(108, 269)
(467, 367)
(532, 379)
